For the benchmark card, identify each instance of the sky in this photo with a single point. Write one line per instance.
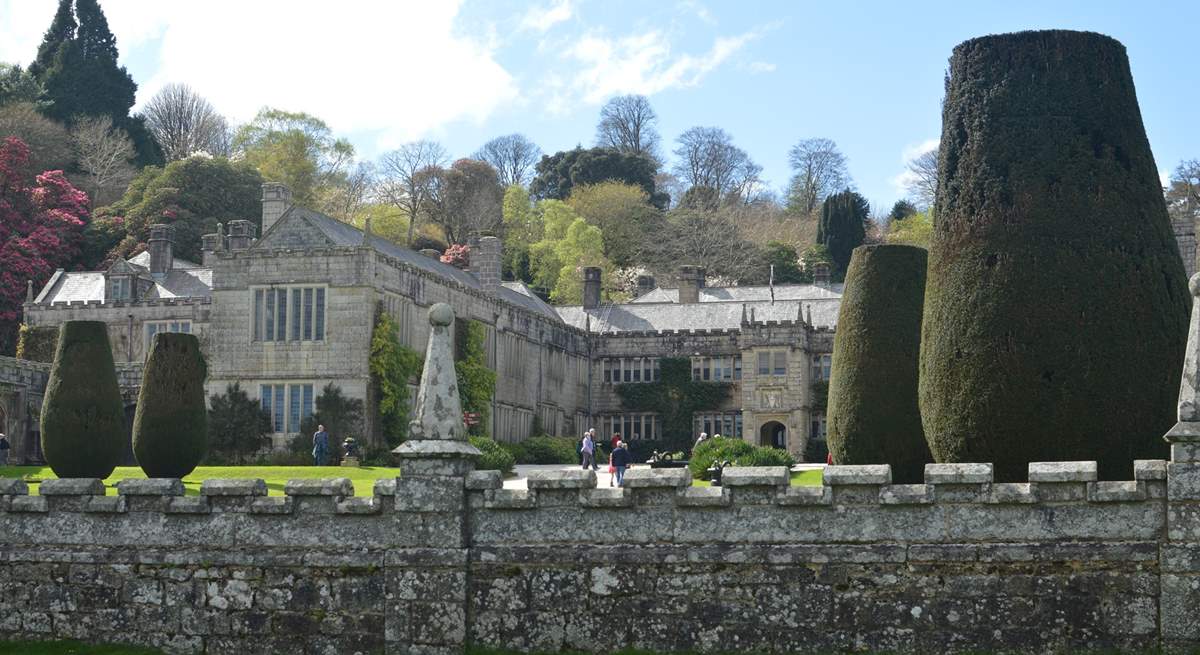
(868, 75)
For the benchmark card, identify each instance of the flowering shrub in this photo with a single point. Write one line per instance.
(458, 256)
(41, 229)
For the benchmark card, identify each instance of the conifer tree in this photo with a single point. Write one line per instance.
(62, 30)
(842, 226)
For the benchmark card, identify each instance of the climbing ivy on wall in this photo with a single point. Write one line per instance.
(37, 344)
(820, 395)
(392, 366)
(476, 382)
(675, 397)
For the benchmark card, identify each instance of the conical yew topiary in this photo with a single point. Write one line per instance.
(170, 428)
(873, 415)
(83, 417)
(1056, 306)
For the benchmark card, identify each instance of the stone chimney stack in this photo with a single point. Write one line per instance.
(821, 274)
(591, 287)
(241, 235)
(210, 245)
(162, 243)
(691, 280)
(485, 262)
(645, 284)
(276, 198)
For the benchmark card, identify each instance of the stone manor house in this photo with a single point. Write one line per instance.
(290, 311)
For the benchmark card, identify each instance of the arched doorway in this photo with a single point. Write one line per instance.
(773, 434)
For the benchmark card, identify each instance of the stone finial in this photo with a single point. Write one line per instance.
(28, 290)
(437, 429)
(367, 231)
(1188, 427)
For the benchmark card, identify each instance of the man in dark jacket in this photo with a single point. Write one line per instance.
(620, 461)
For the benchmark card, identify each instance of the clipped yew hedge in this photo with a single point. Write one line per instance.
(873, 416)
(83, 417)
(1056, 305)
(170, 428)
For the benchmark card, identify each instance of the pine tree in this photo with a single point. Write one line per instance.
(842, 227)
(62, 30)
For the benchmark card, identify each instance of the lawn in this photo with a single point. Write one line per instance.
(69, 648)
(276, 476)
(810, 478)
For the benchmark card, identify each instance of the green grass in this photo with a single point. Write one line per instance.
(810, 478)
(69, 648)
(276, 476)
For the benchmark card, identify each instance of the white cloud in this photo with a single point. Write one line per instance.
(396, 68)
(758, 67)
(1164, 178)
(901, 181)
(643, 64)
(541, 19)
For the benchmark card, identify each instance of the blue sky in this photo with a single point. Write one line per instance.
(867, 75)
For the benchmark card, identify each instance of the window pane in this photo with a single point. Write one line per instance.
(781, 363)
(608, 370)
(764, 363)
(308, 301)
(704, 368)
(151, 330)
(258, 303)
(185, 327)
(695, 368)
(278, 408)
(306, 408)
(281, 335)
(737, 367)
(269, 332)
(626, 371)
(295, 314)
(264, 394)
(637, 371)
(293, 408)
(657, 371)
(319, 316)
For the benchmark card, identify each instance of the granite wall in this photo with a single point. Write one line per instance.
(435, 560)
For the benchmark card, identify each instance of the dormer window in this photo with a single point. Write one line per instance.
(120, 288)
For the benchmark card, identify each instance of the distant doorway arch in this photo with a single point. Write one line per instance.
(773, 434)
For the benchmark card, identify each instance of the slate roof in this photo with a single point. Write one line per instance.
(700, 316)
(749, 293)
(83, 286)
(143, 259)
(519, 294)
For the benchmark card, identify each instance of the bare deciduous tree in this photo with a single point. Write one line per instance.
(105, 155)
(49, 142)
(184, 123)
(352, 194)
(627, 123)
(922, 178)
(465, 199)
(818, 170)
(709, 239)
(513, 156)
(404, 177)
(713, 167)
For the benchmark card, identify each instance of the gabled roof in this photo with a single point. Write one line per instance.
(143, 259)
(520, 294)
(749, 293)
(698, 316)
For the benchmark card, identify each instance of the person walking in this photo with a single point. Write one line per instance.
(587, 450)
(620, 461)
(595, 449)
(616, 439)
(4, 448)
(320, 445)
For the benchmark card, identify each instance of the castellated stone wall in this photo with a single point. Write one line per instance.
(430, 563)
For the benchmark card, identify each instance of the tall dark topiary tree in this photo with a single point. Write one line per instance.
(873, 415)
(1056, 306)
(170, 428)
(842, 226)
(83, 418)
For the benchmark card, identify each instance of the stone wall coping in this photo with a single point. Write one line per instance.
(385, 487)
(150, 487)
(566, 479)
(704, 497)
(254, 487)
(319, 487)
(13, 487)
(72, 487)
(1149, 469)
(1062, 471)
(858, 474)
(648, 478)
(755, 476)
(958, 473)
(484, 480)
(906, 494)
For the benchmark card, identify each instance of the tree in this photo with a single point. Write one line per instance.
(237, 425)
(1183, 191)
(622, 212)
(392, 366)
(818, 170)
(900, 211)
(403, 177)
(341, 416)
(170, 427)
(522, 228)
(787, 264)
(50, 145)
(513, 156)
(352, 194)
(192, 195)
(296, 149)
(19, 86)
(708, 239)
(916, 230)
(83, 416)
(82, 78)
(476, 382)
(873, 415)
(1056, 310)
(105, 155)
(61, 30)
(41, 228)
(465, 199)
(184, 123)
(628, 124)
(709, 162)
(922, 178)
(843, 226)
(558, 174)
